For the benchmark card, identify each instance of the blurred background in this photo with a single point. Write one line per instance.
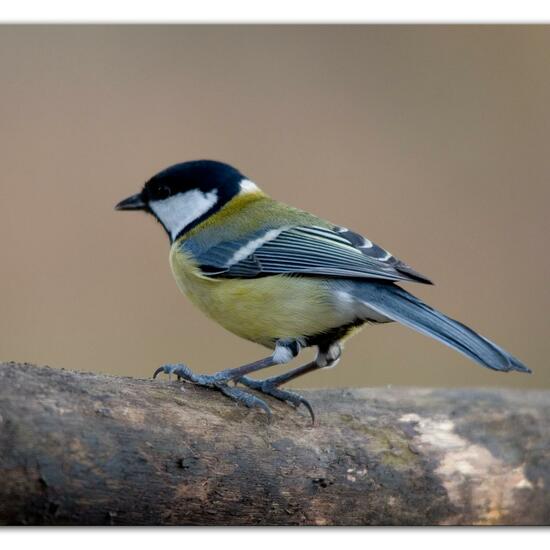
(431, 140)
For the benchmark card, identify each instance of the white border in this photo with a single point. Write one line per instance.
(273, 538)
(278, 11)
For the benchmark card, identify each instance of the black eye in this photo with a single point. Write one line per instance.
(162, 192)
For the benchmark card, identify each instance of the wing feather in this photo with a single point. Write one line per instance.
(307, 250)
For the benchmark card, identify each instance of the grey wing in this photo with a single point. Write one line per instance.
(306, 250)
(372, 250)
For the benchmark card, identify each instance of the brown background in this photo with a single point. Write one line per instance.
(433, 141)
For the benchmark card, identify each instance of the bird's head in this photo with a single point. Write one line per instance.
(185, 194)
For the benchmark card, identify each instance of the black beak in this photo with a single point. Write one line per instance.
(135, 202)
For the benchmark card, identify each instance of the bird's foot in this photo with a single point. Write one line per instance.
(216, 381)
(184, 372)
(270, 388)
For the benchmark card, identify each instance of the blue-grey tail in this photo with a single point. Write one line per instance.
(397, 304)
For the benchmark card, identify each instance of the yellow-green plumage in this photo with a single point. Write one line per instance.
(283, 278)
(262, 309)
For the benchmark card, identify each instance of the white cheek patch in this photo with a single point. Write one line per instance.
(180, 210)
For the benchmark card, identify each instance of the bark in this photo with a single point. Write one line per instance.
(89, 449)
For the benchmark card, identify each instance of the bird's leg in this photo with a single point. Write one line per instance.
(327, 357)
(285, 351)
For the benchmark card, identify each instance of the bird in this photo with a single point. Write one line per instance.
(283, 278)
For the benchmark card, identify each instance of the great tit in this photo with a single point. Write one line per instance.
(284, 278)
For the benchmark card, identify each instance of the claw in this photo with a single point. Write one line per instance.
(282, 395)
(158, 371)
(245, 398)
(265, 407)
(308, 406)
(290, 397)
(180, 370)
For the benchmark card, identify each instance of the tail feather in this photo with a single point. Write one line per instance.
(397, 304)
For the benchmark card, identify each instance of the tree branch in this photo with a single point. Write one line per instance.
(89, 449)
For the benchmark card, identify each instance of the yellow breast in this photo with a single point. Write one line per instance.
(260, 310)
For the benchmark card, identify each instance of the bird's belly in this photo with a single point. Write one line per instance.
(265, 309)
